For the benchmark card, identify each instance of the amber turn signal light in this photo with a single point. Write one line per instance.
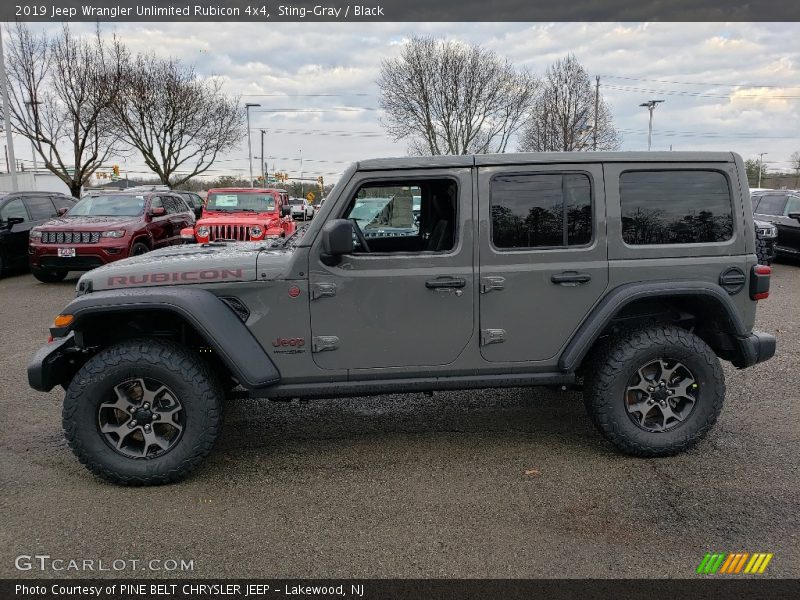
(63, 320)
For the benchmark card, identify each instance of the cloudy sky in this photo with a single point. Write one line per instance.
(726, 86)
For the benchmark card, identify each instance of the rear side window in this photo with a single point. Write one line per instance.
(541, 210)
(771, 204)
(40, 207)
(675, 207)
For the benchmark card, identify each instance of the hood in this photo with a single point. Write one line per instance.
(90, 223)
(191, 264)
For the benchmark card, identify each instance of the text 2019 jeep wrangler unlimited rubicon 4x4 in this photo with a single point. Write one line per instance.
(630, 274)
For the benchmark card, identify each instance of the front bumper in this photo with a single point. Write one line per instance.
(53, 364)
(87, 257)
(755, 348)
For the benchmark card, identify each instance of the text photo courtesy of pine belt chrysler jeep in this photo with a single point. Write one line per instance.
(243, 214)
(628, 274)
(105, 227)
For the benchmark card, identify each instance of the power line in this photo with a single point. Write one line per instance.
(707, 84)
(323, 132)
(695, 94)
(316, 110)
(347, 95)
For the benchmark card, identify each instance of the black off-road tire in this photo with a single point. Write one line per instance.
(615, 362)
(46, 276)
(761, 252)
(188, 376)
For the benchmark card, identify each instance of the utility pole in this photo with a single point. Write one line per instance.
(7, 118)
(301, 173)
(247, 108)
(263, 162)
(650, 105)
(760, 166)
(596, 108)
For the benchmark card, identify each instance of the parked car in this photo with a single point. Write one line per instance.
(629, 275)
(104, 228)
(242, 215)
(301, 208)
(782, 209)
(194, 201)
(19, 213)
(766, 236)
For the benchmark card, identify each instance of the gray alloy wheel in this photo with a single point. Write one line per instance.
(144, 419)
(661, 395)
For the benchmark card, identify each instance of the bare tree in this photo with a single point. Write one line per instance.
(445, 97)
(563, 114)
(178, 121)
(795, 160)
(61, 89)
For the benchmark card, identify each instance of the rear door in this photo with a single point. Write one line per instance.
(789, 227)
(542, 256)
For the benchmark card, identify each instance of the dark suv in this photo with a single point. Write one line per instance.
(103, 228)
(782, 209)
(19, 212)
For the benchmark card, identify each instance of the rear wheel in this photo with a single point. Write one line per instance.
(143, 412)
(48, 276)
(654, 391)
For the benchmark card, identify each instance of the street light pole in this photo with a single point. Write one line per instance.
(263, 162)
(301, 173)
(12, 162)
(760, 166)
(650, 105)
(247, 108)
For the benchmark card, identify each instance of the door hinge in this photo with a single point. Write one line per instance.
(492, 336)
(321, 343)
(321, 290)
(492, 283)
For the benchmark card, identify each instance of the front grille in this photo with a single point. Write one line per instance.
(70, 237)
(240, 233)
(76, 263)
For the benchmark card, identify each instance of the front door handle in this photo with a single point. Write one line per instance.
(570, 277)
(445, 282)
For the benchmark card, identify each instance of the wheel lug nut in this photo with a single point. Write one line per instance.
(147, 427)
(131, 409)
(156, 417)
(132, 423)
(650, 389)
(146, 405)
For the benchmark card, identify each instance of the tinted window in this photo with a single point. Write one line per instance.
(771, 204)
(542, 210)
(40, 207)
(14, 208)
(675, 207)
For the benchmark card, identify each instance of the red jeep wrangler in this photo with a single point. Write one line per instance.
(243, 215)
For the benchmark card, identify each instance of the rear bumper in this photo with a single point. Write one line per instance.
(52, 364)
(755, 348)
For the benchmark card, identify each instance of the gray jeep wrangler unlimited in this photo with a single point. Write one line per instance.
(629, 274)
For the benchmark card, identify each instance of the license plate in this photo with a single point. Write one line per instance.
(66, 252)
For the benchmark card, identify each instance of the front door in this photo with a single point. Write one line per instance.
(542, 256)
(406, 300)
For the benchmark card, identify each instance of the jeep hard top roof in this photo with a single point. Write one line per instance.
(421, 162)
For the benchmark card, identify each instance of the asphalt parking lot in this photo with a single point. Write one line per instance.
(510, 483)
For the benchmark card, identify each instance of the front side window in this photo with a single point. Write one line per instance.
(13, 209)
(406, 216)
(40, 207)
(792, 206)
(675, 207)
(112, 205)
(543, 210)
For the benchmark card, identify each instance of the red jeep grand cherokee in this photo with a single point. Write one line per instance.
(243, 215)
(102, 228)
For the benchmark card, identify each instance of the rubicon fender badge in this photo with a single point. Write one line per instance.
(294, 291)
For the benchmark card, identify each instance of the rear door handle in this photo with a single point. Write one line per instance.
(570, 277)
(445, 282)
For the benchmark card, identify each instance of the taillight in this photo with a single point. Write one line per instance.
(759, 282)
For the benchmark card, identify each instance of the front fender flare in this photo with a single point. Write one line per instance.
(211, 317)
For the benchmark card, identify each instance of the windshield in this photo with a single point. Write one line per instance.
(241, 201)
(108, 205)
(366, 209)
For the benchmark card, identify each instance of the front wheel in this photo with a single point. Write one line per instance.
(654, 391)
(143, 412)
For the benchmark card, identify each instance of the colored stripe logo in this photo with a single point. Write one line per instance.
(734, 563)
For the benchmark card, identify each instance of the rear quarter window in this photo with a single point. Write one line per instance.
(680, 206)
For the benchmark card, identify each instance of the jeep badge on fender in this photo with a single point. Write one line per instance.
(424, 274)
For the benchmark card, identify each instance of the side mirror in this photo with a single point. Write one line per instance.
(158, 211)
(795, 216)
(337, 240)
(62, 211)
(286, 210)
(11, 221)
(198, 212)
